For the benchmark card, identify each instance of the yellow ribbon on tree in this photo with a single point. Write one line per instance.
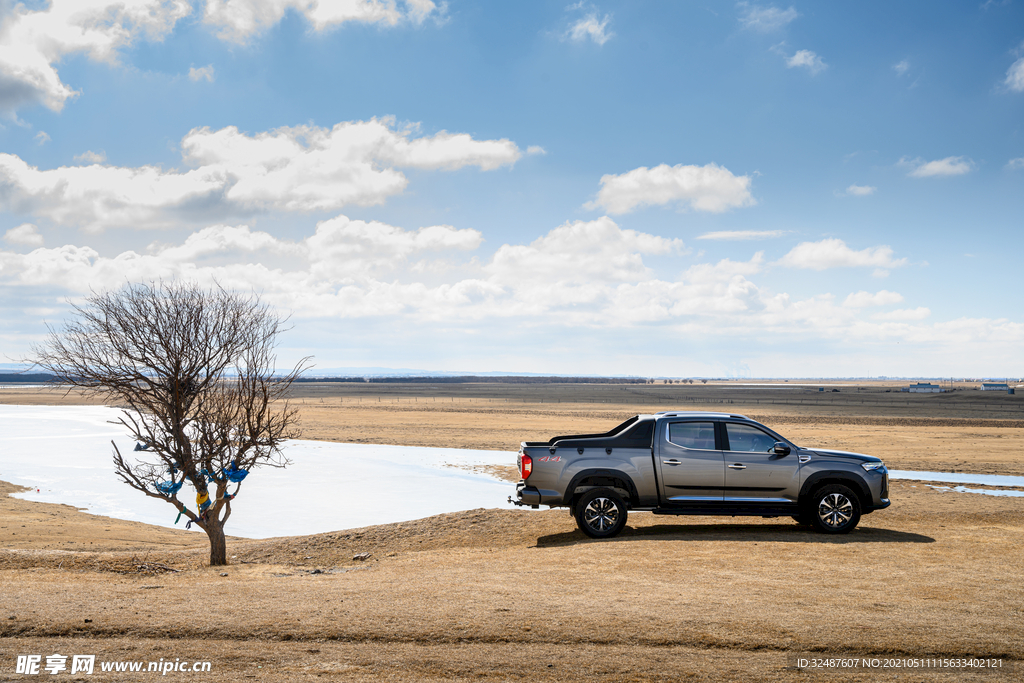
(203, 501)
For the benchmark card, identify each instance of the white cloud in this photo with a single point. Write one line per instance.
(420, 10)
(304, 168)
(96, 196)
(351, 268)
(904, 314)
(360, 247)
(860, 190)
(447, 151)
(203, 72)
(535, 149)
(865, 299)
(765, 19)
(42, 138)
(807, 60)
(718, 292)
(91, 157)
(1014, 164)
(340, 248)
(581, 274)
(219, 240)
(736, 235)
(581, 251)
(26, 234)
(240, 20)
(940, 167)
(337, 275)
(1015, 76)
(589, 27)
(710, 188)
(725, 270)
(901, 67)
(833, 253)
(36, 39)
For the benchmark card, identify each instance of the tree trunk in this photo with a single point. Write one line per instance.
(218, 546)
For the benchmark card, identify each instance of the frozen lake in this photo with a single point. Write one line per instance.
(65, 453)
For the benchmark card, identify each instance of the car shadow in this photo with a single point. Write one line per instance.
(768, 533)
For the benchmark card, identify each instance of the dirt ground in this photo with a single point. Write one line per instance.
(522, 595)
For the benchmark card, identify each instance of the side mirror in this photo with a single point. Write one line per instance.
(781, 448)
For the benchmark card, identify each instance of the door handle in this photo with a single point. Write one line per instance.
(737, 467)
(673, 461)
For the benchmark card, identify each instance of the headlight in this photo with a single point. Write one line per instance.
(880, 466)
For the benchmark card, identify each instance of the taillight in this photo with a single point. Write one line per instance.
(525, 466)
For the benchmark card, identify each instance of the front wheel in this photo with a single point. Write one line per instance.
(600, 513)
(835, 509)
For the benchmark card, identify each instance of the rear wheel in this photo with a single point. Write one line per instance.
(835, 509)
(600, 513)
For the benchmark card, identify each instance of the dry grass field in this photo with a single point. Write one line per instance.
(522, 595)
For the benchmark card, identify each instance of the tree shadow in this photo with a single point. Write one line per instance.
(767, 533)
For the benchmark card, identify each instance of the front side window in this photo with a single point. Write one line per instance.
(697, 435)
(747, 438)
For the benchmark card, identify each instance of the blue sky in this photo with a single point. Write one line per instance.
(650, 188)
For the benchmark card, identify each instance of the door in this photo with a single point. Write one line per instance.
(754, 473)
(691, 469)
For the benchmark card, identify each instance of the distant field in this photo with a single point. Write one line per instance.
(881, 399)
(878, 399)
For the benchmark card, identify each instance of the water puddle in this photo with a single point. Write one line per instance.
(958, 478)
(987, 492)
(961, 478)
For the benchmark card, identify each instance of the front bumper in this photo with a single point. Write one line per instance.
(878, 486)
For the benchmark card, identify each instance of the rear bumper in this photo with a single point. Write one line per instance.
(525, 495)
(533, 496)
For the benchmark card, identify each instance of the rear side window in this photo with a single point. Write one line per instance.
(641, 432)
(697, 435)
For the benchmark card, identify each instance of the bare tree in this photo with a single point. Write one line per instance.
(195, 369)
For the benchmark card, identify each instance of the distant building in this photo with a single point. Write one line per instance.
(994, 386)
(924, 388)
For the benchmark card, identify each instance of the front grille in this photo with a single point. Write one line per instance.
(885, 486)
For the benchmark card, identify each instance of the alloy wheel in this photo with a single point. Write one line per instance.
(835, 510)
(601, 514)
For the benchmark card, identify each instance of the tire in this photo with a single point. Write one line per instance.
(600, 513)
(835, 509)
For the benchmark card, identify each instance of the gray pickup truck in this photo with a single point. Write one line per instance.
(698, 463)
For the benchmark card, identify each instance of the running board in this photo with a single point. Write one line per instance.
(732, 510)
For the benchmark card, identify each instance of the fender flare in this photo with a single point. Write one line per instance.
(600, 472)
(844, 477)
